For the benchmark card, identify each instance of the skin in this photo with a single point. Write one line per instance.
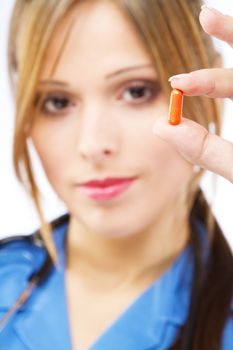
(102, 114)
(190, 139)
(106, 132)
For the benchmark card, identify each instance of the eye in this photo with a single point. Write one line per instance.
(55, 104)
(141, 92)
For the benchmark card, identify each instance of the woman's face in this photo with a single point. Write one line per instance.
(96, 120)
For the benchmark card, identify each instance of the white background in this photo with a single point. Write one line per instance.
(17, 213)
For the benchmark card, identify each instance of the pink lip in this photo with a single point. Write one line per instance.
(105, 182)
(105, 189)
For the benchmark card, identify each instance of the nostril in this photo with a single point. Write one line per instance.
(107, 152)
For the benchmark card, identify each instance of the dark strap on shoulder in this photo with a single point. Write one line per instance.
(37, 277)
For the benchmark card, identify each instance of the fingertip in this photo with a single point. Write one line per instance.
(211, 9)
(174, 83)
(160, 122)
(163, 129)
(208, 18)
(180, 83)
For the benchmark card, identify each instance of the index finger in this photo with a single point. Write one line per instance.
(217, 24)
(213, 82)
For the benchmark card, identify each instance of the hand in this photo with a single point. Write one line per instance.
(190, 139)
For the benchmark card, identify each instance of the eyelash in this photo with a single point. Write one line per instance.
(153, 87)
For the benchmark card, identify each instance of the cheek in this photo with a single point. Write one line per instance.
(52, 150)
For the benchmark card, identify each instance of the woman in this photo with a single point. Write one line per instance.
(139, 262)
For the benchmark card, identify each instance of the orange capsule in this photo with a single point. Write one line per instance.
(175, 108)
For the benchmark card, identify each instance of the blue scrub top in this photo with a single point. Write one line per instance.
(152, 321)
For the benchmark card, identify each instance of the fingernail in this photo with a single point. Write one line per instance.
(178, 76)
(212, 128)
(196, 168)
(211, 9)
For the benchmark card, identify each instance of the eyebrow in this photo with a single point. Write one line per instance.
(125, 70)
(111, 75)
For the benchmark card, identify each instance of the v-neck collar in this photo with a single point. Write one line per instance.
(142, 324)
(151, 321)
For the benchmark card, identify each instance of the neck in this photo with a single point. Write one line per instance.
(134, 259)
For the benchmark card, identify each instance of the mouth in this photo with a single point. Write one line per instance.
(106, 189)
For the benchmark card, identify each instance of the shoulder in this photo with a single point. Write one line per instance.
(26, 247)
(20, 256)
(20, 250)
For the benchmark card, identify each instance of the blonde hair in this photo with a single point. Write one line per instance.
(169, 30)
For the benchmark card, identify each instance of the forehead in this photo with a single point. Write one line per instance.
(95, 34)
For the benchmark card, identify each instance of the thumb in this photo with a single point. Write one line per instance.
(197, 146)
(187, 137)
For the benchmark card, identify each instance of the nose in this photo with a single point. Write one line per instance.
(98, 138)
